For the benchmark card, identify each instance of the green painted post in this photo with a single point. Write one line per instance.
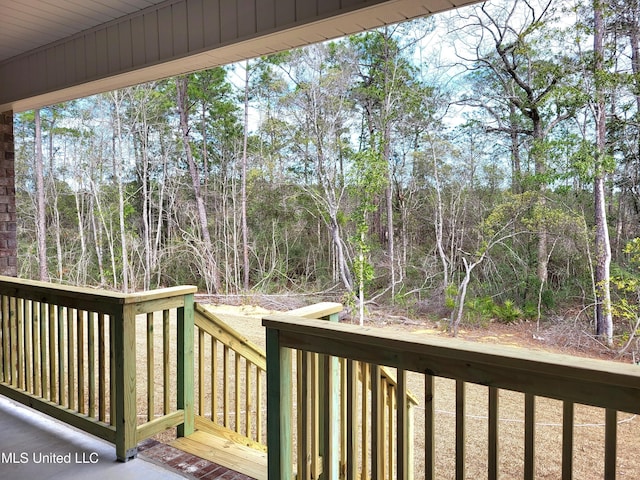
(279, 408)
(185, 366)
(124, 343)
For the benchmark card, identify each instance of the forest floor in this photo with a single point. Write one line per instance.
(558, 337)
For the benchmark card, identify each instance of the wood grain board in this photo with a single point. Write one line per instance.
(225, 452)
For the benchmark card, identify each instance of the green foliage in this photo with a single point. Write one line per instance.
(627, 284)
(484, 309)
(450, 296)
(479, 310)
(366, 182)
(508, 312)
(547, 299)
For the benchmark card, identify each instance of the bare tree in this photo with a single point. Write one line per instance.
(183, 110)
(604, 321)
(519, 68)
(243, 193)
(41, 222)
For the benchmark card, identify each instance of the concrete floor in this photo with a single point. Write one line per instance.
(33, 446)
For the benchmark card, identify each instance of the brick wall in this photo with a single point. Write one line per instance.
(8, 238)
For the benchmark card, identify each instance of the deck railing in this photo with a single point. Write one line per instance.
(72, 353)
(612, 386)
(231, 400)
(230, 381)
(231, 375)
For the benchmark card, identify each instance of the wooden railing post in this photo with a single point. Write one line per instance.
(185, 366)
(125, 383)
(279, 408)
(330, 412)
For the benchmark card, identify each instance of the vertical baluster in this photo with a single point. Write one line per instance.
(112, 369)
(259, 417)
(91, 363)
(214, 380)
(343, 414)
(236, 399)
(81, 361)
(166, 342)
(28, 346)
(364, 421)
(71, 357)
(429, 430)
(403, 435)
(102, 380)
(493, 433)
(35, 316)
(377, 427)
(5, 339)
(44, 364)
(460, 429)
(150, 369)
(610, 443)
(330, 440)
(201, 371)
(61, 349)
(352, 420)
(304, 417)
(225, 383)
(300, 401)
(315, 415)
(248, 406)
(567, 440)
(13, 320)
(53, 356)
(390, 394)
(529, 436)
(22, 359)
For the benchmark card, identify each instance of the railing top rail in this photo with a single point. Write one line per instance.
(215, 325)
(589, 381)
(317, 310)
(149, 295)
(82, 297)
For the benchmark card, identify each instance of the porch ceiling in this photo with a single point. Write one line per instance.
(56, 50)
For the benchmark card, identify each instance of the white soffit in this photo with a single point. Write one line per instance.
(30, 24)
(57, 50)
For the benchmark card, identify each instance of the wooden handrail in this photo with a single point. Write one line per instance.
(593, 382)
(609, 385)
(215, 326)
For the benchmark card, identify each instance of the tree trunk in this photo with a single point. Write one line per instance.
(41, 220)
(243, 194)
(343, 268)
(439, 226)
(183, 110)
(541, 170)
(516, 168)
(117, 170)
(604, 321)
(81, 274)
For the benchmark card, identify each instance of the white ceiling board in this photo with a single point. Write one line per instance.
(58, 54)
(28, 24)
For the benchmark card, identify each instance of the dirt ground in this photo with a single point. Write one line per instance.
(589, 422)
